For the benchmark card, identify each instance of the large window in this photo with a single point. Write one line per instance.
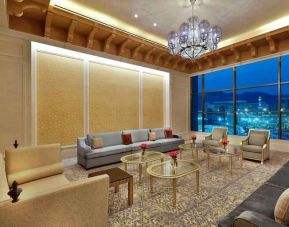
(254, 95)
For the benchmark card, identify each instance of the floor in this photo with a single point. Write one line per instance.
(220, 192)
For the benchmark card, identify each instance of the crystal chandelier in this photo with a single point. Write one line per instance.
(194, 37)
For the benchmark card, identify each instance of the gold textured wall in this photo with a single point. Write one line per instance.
(153, 101)
(113, 98)
(59, 99)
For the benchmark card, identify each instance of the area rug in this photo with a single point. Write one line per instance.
(220, 193)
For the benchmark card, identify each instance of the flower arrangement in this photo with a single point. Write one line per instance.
(194, 137)
(143, 146)
(174, 156)
(225, 142)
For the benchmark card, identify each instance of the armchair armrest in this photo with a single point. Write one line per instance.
(245, 141)
(264, 146)
(82, 147)
(80, 203)
(209, 137)
(253, 219)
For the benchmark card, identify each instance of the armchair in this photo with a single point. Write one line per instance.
(215, 138)
(256, 146)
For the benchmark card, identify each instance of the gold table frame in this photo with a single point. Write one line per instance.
(195, 169)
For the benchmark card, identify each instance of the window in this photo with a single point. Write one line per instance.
(254, 95)
(219, 80)
(257, 73)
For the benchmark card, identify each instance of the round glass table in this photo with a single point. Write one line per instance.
(193, 147)
(140, 160)
(229, 152)
(166, 170)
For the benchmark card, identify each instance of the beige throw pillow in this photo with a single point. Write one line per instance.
(152, 136)
(281, 211)
(96, 143)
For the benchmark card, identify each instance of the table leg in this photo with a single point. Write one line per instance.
(140, 171)
(125, 166)
(174, 192)
(116, 188)
(197, 155)
(208, 160)
(151, 183)
(197, 181)
(130, 191)
(231, 165)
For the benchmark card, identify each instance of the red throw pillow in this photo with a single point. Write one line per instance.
(169, 133)
(126, 139)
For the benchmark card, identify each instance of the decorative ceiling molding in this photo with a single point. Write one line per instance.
(38, 18)
(57, 24)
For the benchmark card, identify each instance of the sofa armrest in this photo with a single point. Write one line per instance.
(80, 203)
(82, 147)
(209, 137)
(253, 219)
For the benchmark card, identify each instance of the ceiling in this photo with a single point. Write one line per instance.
(234, 16)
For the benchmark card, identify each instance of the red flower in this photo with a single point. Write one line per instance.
(143, 146)
(174, 154)
(194, 137)
(225, 141)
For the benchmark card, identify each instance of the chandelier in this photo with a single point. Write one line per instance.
(194, 37)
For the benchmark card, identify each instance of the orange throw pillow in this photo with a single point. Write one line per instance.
(281, 211)
(152, 136)
(169, 133)
(96, 143)
(126, 139)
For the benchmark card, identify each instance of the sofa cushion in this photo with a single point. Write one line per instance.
(138, 135)
(160, 133)
(257, 139)
(281, 211)
(152, 136)
(126, 138)
(3, 182)
(214, 143)
(45, 184)
(170, 141)
(151, 144)
(252, 148)
(105, 151)
(96, 143)
(109, 138)
(35, 173)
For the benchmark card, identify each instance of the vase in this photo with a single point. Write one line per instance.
(143, 152)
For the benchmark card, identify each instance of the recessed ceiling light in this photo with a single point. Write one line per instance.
(155, 24)
(136, 16)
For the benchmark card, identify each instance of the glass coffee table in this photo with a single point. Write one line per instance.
(140, 160)
(166, 170)
(194, 148)
(230, 152)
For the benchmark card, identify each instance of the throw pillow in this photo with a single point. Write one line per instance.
(152, 136)
(126, 138)
(169, 133)
(281, 211)
(96, 143)
(256, 139)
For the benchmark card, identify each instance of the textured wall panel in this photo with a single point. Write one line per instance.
(59, 99)
(153, 101)
(113, 98)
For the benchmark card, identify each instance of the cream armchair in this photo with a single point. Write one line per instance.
(215, 138)
(257, 145)
(48, 198)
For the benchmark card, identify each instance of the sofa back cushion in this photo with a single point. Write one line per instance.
(257, 139)
(138, 135)
(3, 180)
(108, 138)
(160, 133)
(42, 158)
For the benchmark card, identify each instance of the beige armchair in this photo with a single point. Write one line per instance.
(48, 198)
(215, 138)
(257, 145)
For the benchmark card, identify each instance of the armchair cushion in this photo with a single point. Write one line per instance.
(257, 139)
(252, 148)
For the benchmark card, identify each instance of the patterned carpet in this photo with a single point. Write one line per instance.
(219, 193)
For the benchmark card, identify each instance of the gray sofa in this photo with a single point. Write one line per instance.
(258, 208)
(113, 148)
